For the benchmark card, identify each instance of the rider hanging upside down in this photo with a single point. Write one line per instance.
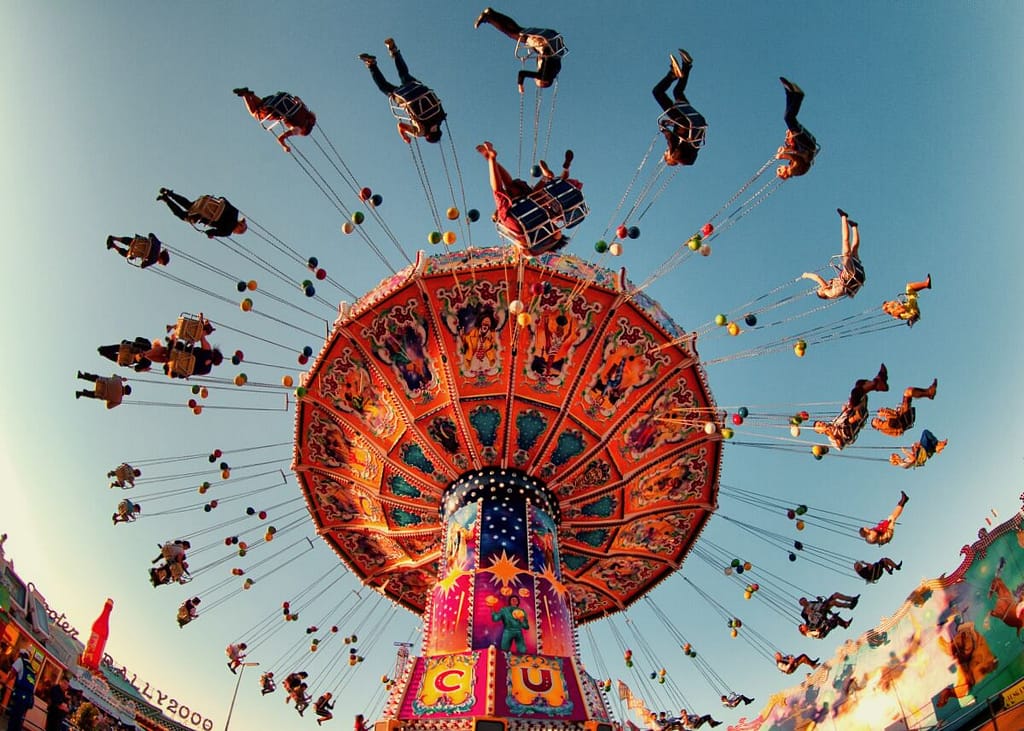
(843, 430)
(906, 307)
(683, 126)
(323, 708)
(788, 664)
(174, 567)
(289, 110)
(218, 216)
(800, 148)
(919, 452)
(734, 699)
(188, 611)
(267, 684)
(850, 277)
(534, 217)
(146, 249)
(139, 353)
(124, 475)
(547, 44)
(819, 617)
(882, 533)
(872, 572)
(111, 389)
(896, 421)
(418, 107)
(127, 511)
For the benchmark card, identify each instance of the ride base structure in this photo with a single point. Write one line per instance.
(499, 637)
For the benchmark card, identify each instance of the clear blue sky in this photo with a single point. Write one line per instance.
(917, 107)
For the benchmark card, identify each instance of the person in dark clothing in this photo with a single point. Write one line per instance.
(23, 678)
(682, 125)
(132, 353)
(872, 572)
(147, 249)
(57, 710)
(843, 430)
(546, 43)
(800, 148)
(217, 214)
(283, 108)
(414, 98)
(734, 699)
(323, 708)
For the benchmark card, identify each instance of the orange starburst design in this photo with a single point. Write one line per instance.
(505, 569)
(552, 578)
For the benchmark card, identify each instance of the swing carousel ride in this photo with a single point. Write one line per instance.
(505, 438)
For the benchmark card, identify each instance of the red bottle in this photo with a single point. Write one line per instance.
(98, 639)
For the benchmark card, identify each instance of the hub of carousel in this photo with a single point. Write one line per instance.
(506, 446)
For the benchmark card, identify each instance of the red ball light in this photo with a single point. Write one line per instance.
(321, 274)
(622, 232)
(707, 230)
(303, 359)
(263, 515)
(365, 194)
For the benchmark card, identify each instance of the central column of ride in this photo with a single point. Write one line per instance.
(499, 639)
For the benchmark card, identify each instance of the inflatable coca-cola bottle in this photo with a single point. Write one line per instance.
(97, 639)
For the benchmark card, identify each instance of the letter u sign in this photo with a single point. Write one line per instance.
(537, 679)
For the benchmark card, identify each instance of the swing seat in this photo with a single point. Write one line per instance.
(104, 389)
(846, 427)
(281, 107)
(563, 201)
(539, 232)
(124, 473)
(188, 329)
(126, 353)
(178, 573)
(207, 208)
(686, 122)
(416, 104)
(184, 617)
(181, 364)
(852, 277)
(553, 40)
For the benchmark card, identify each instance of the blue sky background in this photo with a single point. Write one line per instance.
(916, 106)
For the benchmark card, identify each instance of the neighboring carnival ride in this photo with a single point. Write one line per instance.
(954, 644)
(508, 445)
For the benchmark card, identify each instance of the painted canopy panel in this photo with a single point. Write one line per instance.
(551, 365)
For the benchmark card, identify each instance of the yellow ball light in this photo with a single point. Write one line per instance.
(448, 237)
(524, 319)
